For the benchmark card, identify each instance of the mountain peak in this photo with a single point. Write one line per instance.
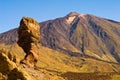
(73, 14)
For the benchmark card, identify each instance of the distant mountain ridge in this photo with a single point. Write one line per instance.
(78, 34)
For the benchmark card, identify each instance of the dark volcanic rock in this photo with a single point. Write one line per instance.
(28, 39)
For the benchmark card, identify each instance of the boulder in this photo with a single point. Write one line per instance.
(10, 71)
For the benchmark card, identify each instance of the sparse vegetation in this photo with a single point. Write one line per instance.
(91, 76)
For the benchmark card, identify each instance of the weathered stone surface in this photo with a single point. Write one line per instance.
(6, 65)
(10, 71)
(28, 39)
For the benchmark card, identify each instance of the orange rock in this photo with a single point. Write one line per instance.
(28, 39)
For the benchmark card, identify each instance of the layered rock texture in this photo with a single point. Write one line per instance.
(28, 39)
(9, 69)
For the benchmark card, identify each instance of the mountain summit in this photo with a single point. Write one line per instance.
(73, 14)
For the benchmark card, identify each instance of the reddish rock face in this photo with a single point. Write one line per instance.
(28, 39)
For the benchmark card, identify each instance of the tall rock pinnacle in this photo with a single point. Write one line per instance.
(28, 39)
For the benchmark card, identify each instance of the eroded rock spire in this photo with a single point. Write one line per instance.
(28, 39)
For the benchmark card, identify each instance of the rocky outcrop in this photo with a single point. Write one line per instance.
(9, 70)
(28, 39)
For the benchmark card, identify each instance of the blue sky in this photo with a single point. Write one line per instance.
(11, 11)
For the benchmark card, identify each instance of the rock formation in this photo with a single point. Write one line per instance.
(28, 39)
(9, 70)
